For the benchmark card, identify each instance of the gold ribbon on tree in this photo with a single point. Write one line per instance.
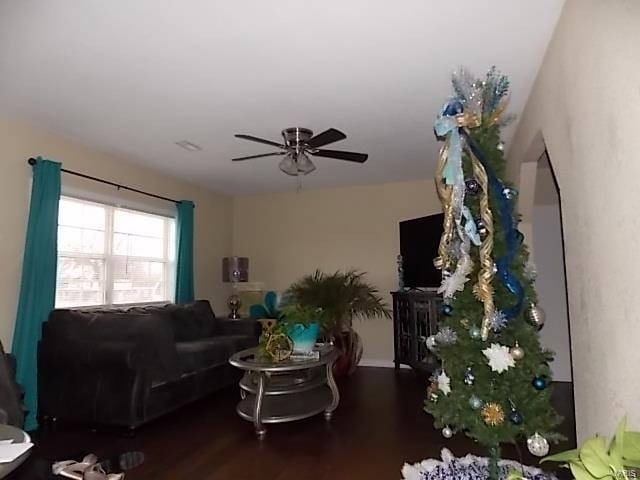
(483, 288)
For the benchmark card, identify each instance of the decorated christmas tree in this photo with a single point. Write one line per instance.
(494, 376)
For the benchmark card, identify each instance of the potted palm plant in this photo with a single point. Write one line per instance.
(343, 297)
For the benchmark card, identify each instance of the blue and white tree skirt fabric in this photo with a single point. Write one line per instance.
(466, 468)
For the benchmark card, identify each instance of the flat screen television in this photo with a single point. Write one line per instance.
(419, 240)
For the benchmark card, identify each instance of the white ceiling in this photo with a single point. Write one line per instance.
(133, 77)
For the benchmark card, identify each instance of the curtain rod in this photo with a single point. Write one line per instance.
(32, 161)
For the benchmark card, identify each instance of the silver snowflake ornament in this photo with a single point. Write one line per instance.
(498, 321)
(446, 336)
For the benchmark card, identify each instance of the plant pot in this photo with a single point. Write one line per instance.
(350, 344)
(303, 336)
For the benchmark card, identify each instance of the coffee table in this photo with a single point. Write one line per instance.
(276, 392)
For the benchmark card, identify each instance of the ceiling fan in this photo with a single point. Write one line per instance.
(298, 144)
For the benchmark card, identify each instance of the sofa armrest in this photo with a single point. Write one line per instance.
(94, 382)
(243, 326)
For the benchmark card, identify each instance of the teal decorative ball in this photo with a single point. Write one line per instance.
(539, 383)
(446, 309)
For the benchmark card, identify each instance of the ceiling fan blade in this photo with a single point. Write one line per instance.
(328, 136)
(259, 140)
(257, 156)
(342, 155)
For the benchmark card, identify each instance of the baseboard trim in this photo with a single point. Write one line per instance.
(367, 362)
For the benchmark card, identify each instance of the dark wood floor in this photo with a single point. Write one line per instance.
(378, 426)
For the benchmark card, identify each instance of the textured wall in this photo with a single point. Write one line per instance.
(19, 142)
(548, 257)
(586, 106)
(289, 235)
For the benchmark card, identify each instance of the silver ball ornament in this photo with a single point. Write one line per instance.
(509, 193)
(537, 445)
(500, 146)
(475, 402)
(475, 333)
(447, 432)
(517, 352)
(431, 343)
(482, 229)
(536, 316)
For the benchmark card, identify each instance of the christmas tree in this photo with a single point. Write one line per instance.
(493, 379)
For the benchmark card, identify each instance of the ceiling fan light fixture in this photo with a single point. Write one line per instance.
(288, 165)
(304, 164)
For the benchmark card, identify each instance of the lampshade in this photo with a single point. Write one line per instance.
(235, 269)
(305, 165)
(288, 165)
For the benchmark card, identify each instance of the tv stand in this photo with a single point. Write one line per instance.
(415, 317)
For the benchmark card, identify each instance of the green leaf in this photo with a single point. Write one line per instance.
(515, 475)
(617, 443)
(579, 472)
(565, 456)
(593, 455)
(631, 463)
(616, 448)
(631, 449)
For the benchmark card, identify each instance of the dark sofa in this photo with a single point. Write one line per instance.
(126, 367)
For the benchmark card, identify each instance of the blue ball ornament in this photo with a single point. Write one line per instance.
(446, 309)
(469, 377)
(475, 402)
(453, 108)
(515, 417)
(539, 383)
(472, 186)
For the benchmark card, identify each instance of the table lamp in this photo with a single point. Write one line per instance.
(234, 270)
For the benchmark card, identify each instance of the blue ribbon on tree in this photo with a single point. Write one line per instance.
(513, 237)
(447, 125)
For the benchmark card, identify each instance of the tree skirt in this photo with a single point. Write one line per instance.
(466, 468)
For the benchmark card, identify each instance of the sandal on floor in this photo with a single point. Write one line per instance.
(72, 469)
(122, 462)
(95, 472)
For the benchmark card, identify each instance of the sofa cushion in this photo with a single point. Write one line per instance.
(193, 321)
(163, 338)
(152, 330)
(209, 352)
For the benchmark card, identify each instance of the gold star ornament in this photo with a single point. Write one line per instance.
(492, 414)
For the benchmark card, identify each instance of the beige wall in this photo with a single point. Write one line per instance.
(586, 106)
(289, 235)
(19, 142)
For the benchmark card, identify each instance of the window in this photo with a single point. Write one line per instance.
(112, 256)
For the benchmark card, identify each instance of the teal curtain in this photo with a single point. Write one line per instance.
(184, 254)
(38, 286)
